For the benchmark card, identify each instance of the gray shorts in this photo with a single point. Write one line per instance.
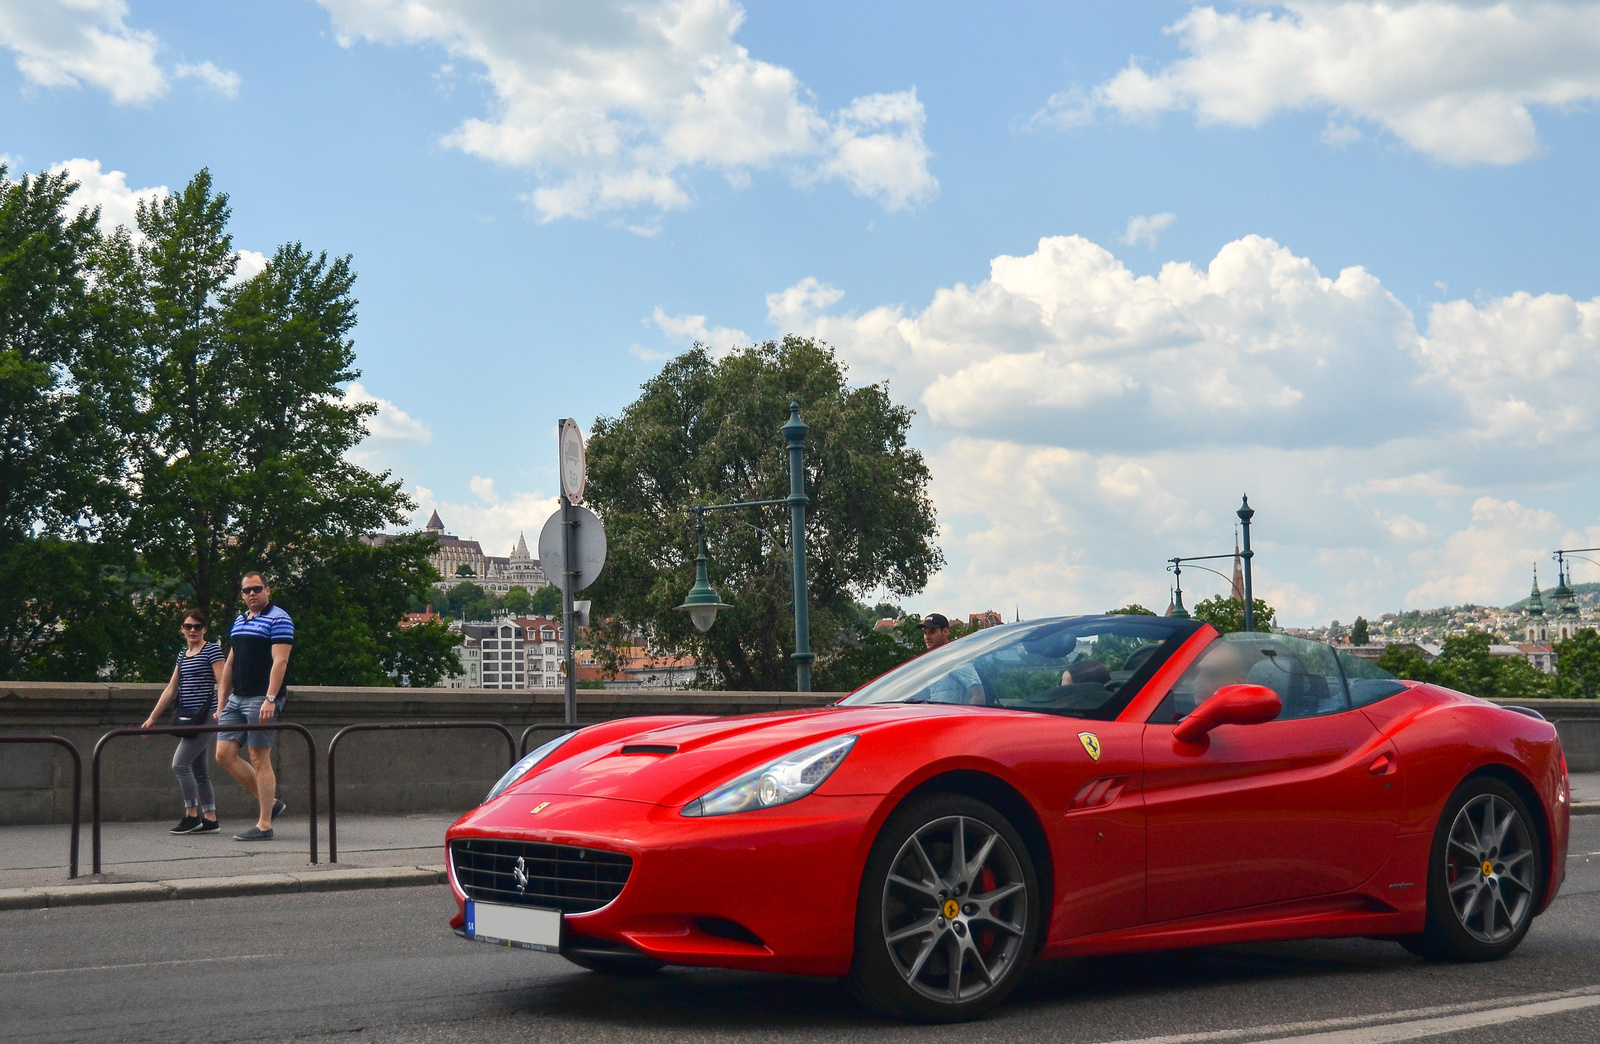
(243, 711)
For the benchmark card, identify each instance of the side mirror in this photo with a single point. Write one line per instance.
(1229, 705)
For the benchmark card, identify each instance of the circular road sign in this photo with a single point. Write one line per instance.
(574, 469)
(588, 543)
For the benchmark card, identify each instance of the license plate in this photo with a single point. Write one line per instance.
(525, 927)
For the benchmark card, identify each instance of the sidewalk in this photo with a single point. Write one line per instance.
(142, 861)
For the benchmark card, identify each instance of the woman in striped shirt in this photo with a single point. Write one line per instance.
(194, 682)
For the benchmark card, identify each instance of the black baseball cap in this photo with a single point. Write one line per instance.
(935, 622)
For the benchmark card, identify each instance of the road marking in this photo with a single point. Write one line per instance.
(1410, 1024)
(141, 964)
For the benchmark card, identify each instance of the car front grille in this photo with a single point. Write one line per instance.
(559, 877)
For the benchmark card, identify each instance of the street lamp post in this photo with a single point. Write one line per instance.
(1564, 593)
(1246, 513)
(703, 603)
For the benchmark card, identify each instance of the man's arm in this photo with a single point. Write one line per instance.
(280, 667)
(225, 681)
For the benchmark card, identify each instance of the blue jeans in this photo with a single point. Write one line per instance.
(244, 711)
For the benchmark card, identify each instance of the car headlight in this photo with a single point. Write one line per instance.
(522, 767)
(790, 778)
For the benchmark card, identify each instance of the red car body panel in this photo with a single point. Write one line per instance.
(1306, 827)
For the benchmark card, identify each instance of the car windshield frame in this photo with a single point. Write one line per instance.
(1036, 647)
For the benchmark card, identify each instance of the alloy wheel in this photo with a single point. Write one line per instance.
(955, 907)
(1489, 869)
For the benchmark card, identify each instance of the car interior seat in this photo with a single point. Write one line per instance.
(1303, 694)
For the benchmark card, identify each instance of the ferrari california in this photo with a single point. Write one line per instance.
(1055, 788)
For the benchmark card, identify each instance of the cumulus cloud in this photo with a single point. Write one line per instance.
(1458, 81)
(492, 520)
(223, 81)
(688, 329)
(390, 424)
(108, 190)
(67, 43)
(1084, 424)
(1147, 228)
(612, 104)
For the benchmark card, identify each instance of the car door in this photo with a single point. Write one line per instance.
(1303, 806)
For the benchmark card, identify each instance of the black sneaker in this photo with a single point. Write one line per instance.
(207, 826)
(278, 807)
(254, 834)
(185, 825)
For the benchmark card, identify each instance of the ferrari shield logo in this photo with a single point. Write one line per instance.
(541, 806)
(1091, 744)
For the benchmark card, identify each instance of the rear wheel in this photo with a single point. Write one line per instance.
(948, 913)
(1484, 875)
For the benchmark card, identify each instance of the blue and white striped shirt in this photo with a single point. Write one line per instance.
(253, 637)
(197, 681)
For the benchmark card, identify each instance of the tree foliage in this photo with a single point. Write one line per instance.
(705, 431)
(1226, 614)
(1131, 609)
(1360, 631)
(1578, 666)
(1466, 664)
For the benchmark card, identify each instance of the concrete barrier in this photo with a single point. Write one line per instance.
(385, 772)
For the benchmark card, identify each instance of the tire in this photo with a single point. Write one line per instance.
(1475, 915)
(938, 856)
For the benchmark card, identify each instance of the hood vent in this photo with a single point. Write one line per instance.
(649, 748)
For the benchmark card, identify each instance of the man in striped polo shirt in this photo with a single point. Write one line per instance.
(258, 662)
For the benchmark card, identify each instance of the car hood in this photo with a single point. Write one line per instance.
(672, 764)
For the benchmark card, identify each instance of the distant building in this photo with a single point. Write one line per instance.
(492, 573)
(987, 618)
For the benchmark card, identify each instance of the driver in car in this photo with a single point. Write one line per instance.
(1221, 665)
(961, 685)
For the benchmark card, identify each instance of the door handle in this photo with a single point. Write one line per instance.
(1382, 766)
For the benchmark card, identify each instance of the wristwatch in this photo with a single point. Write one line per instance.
(271, 698)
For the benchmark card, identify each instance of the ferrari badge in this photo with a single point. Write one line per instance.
(540, 807)
(951, 908)
(1091, 744)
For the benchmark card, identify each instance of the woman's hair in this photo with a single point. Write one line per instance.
(197, 614)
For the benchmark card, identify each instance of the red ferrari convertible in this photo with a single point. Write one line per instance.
(1048, 789)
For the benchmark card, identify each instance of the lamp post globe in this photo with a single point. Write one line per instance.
(702, 602)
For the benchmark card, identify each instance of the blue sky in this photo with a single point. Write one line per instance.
(1126, 261)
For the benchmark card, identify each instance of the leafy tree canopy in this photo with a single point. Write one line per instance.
(1359, 632)
(1226, 614)
(1131, 609)
(705, 431)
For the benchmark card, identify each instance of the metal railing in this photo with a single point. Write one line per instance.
(77, 788)
(522, 744)
(388, 726)
(189, 730)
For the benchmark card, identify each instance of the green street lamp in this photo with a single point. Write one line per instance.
(1175, 567)
(702, 602)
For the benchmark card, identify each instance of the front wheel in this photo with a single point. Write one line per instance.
(948, 914)
(1484, 875)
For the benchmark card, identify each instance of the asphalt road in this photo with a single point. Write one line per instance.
(382, 966)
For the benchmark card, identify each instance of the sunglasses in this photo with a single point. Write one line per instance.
(254, 589)
(194, 627)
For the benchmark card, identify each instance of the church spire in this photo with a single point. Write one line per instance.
(434, 525)
(1535, 602)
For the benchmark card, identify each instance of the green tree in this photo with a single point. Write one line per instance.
(464, 570)
(1466, 665)
(1578, 666)
(1406, 662)
(1359, 631)
(469, 602)
(1226, 614)
(518, 601)
(706, 431)
(1131, 609)
(242, 446)
(546, 601)
(67, 574)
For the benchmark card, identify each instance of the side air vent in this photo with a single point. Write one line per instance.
(1097, 792)
(648, 748)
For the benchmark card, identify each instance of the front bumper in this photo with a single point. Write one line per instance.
(787, 876)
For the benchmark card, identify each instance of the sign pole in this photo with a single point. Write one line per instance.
(569, 581)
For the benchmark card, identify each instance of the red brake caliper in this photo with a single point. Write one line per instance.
(987, 935)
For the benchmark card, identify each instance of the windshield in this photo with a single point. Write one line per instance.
(1079, 667)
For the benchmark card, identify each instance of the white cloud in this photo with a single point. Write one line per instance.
(65, 43)
(225, 82)
(494, 521)
(390, 424)
(1455, 80)
(611, 104)
(108, 190)
(251, 263)
(687, 329)
(1146, 228)
(1084, 424)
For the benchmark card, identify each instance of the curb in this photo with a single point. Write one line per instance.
(1586, 808)
(342, 880)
